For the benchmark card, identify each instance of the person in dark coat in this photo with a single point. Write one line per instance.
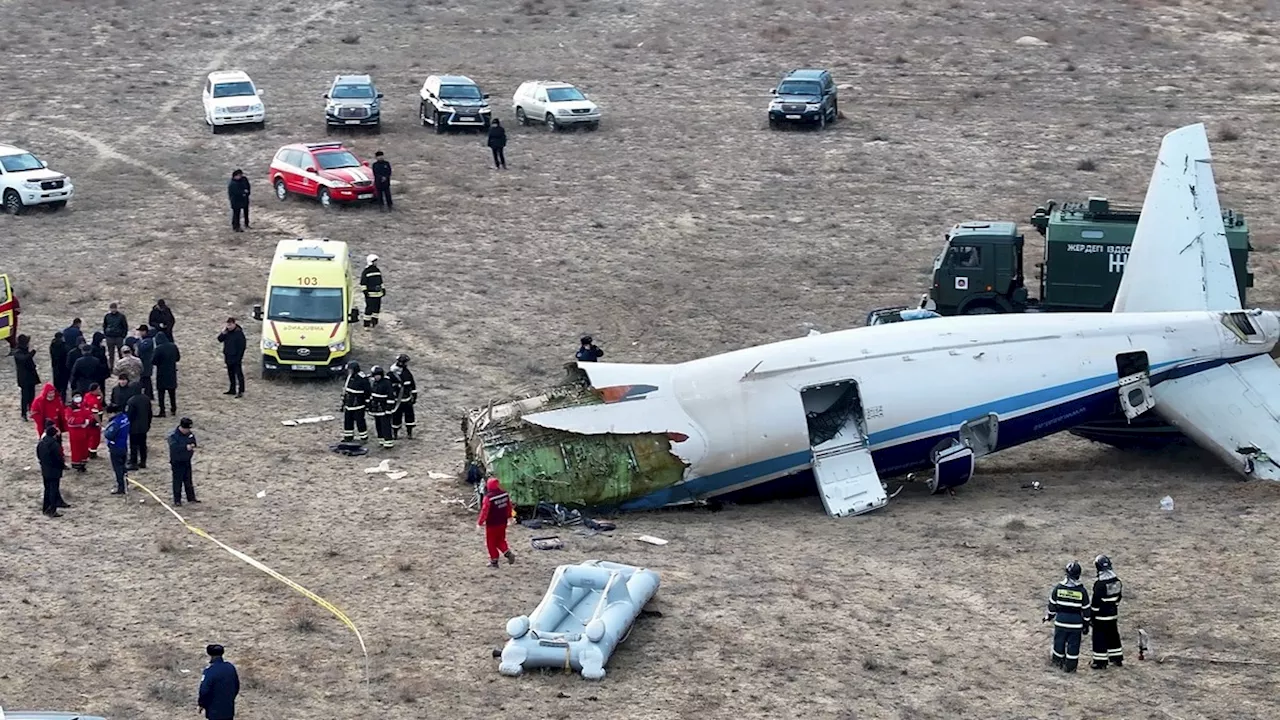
(498, 143)
(115, 328)
(166, 363)
(58, 352)
(139, 411)
(382, 179)
(24, 360)
(74, 353)
(73, 333)
(587, 350)
(85, 369)
(161, 319)
(219, 686)
(182, 447)
(233, 345)
(238, 194)
(52, 465)
(121, 393)
(374, 290)
(145, 348)
(104, 361)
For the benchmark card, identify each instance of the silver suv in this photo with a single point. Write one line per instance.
(453, 101)
(353, 101)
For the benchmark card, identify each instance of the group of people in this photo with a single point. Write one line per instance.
(388, 396)
(1073, 612)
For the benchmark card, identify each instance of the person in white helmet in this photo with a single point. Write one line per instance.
(371, 286)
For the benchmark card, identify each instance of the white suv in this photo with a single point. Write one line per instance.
(555, 104)
(26, 180)
(231, 98)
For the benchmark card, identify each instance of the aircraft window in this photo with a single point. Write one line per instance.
(964, 256)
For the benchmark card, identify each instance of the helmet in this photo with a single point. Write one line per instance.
(1102, 563)
(375, 370)
(1073, 570)
(353, 366)
(371, 259)
(402, 359)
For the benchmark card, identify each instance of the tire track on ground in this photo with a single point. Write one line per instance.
(185, 94)
(280, 224)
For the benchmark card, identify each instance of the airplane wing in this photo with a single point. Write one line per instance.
(1179, 259)
(1231, 410)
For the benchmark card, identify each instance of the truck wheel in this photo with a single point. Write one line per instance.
(12, 203)
(521, 118)
(980, 310)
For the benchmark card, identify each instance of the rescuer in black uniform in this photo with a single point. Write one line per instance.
(402, 378)
(371, 286)
(355, 395)
(1069, 610)
(1106, 615)
(382, 179)
(383, 399)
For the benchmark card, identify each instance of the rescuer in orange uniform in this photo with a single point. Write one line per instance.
(495, 512)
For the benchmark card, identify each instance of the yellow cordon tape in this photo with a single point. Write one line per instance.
(255, 563)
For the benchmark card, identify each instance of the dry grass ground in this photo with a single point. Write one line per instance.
(682, 228)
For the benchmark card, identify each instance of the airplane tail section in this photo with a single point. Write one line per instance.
(1179, 260)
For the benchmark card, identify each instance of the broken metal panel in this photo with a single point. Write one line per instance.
(580, 470)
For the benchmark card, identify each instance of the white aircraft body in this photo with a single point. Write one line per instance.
(885, 400)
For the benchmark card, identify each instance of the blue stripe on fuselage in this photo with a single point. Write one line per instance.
(913, 454)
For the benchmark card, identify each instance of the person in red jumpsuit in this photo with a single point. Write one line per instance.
(79, 420)
(495, 512)
(93, 402)
(48, 406)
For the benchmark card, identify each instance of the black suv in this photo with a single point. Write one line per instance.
(804, 96)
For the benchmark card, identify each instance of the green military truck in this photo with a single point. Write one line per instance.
(980, 269)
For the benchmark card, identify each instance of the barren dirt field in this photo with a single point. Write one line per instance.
(684, 227)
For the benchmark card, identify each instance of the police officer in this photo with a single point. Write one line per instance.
(383, 399)
(219, 686)
(587, 350)
(1106, 613)
(355, 394)
(371, 286)
(1069, 610)
(402, 378)
(382, 179)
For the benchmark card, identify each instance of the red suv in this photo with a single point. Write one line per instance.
(328, 172)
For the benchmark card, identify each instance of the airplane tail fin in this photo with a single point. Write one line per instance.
(1179, 259)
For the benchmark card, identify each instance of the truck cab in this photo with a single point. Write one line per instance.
(1086, 246)
(979, 271)
(308, 310)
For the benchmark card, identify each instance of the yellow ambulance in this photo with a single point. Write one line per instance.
(308, 310)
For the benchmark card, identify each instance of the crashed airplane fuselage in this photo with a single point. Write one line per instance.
(856, 405)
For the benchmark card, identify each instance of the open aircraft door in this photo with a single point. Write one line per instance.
(842, 466)
(8, 309)
(1135, 383)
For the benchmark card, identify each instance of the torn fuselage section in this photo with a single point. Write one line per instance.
(604, 465)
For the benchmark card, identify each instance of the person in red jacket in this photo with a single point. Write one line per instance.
(93, 403)
(79, 420)
(48, 406)
(495, 512)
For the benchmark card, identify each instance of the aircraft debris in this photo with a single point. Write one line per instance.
(547, 542)
(1166, 503)
(438, 476)
(397, 475)
(382, 467)
(262, 493)
(307, 420)
(652, 540)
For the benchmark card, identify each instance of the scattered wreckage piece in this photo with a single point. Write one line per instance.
(307, 421)
(586, 612)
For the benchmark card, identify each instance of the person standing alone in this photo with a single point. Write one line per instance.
(182, 447)
(219, 686)
(52, 464)
(371, 286)
(233, 344)
(238, 194)
(24, 360)
(498, 144)
(382, 179)
(495, 514)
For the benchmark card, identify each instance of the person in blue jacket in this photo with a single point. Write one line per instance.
(117, 435)
(219, 686)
